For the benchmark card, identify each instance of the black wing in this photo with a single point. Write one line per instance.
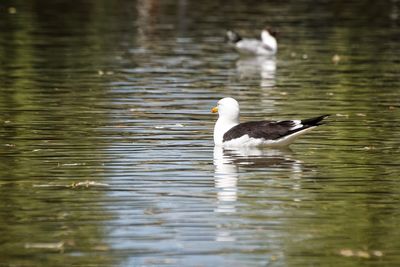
(267, 47)
(270, 130)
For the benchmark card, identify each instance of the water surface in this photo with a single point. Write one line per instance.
(106, 137)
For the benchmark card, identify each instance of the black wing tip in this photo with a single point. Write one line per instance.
(316, 121)
(232, 36)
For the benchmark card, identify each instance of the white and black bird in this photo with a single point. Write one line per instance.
(267, 45)
(228, 132)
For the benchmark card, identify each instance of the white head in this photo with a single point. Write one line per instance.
(268, 37)
(228, 110)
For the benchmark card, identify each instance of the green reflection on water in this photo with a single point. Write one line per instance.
(51, 54)
(58, 64)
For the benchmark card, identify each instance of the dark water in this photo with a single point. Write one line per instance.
(106, 135)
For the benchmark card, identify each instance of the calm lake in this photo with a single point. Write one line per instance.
(107, 155)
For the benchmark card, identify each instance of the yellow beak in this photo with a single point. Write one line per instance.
(214, 110)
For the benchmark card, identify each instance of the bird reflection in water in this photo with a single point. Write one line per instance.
(264, 67)
(228, 161)
(226, 176)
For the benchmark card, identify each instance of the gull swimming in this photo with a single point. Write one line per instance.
(267, 45)
(229, 132)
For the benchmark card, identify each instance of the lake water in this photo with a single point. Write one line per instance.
(106, 147)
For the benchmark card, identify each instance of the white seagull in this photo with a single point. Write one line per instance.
(228, 132)
(266, 46)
